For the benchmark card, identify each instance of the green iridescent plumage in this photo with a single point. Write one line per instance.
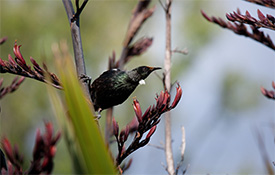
(114, 86)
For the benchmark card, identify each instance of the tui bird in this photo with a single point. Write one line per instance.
(114, 86)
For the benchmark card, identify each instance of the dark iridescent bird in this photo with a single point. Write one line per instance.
(114, 86)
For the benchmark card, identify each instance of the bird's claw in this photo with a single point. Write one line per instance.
(98, 116)
(85, 78)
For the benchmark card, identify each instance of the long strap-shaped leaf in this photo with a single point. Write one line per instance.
(91, 153)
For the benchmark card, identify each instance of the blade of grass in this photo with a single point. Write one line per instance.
(92, 149)
(67, 131)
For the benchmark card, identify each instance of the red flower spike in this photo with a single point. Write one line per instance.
(151, 132)
(48, 132)
(52, 151)
(133, 125)
(260, 15)
(160, 99)
(38, 143)
(11, 61)
(20, 81)
(146, 112)
(2, 40)
(14, 81)
(166, 98)
(2, 63)
(205, 15)
(165, 102)
(264, 91)
(8, 149)
(45, 163)
(177, 98)
(238, 11)
(271, 18)
(137, 110)
(1, 81)
(122, 136)
(17, 53)
(268, 94)
(229, 17)
(36, 66)
(247, 14)
(115, 127)
(123, 149)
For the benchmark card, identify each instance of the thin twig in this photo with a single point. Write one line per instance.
(182, 150)
(78, 10)
(157, 146)
(162, 5)
(182, 51)
(76, 39)
(264, 153)
(167, 81)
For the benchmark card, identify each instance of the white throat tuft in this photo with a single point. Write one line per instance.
(141, 82)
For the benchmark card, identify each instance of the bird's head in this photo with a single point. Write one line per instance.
(141, 73)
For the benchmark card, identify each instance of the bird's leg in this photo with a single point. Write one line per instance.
(99, 113)
(86, 79)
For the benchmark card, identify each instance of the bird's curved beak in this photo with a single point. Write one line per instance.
(154, 68)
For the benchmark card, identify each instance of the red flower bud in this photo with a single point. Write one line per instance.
(45, 163)
(165, 101)
(11, 61)
(151, 132)
(1, 81)
(160, 99)
(7, 148)
(148, 110)
(20, 80)
(133, 125)
(48, 132)
(36, 66)
(261, 15)
(115, 127)
(137, 110)
(264, 91)
(17, 53)
(52, 151)
(2, 63)
(177, 98)
(38, 145)
(124, 134)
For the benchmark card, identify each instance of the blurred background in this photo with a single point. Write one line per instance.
(222, 108)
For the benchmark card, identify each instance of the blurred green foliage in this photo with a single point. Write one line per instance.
(238, 93)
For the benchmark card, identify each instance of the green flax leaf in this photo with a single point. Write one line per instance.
(87, 148)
